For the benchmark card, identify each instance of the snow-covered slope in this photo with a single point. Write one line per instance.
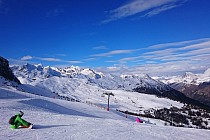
(59, 119)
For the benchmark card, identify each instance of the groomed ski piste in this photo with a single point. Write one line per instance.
(56, 119)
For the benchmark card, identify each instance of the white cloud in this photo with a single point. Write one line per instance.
(159, 10)
(163, 69)
(24, 59)
(170, 58)
(112, 68)
(171, 52)
(197, 45)
(89, 59)
(141, 6)
(114, 52)
(202, 57)
(180, 53)
(49, 59)
(127, 59)
(28, 57)
(16, 62)
(177, 57)
(58, 60)
(74, 62)
(100, 48)
(182, 43)
(160, 52)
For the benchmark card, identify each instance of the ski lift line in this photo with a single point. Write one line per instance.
(95, 105)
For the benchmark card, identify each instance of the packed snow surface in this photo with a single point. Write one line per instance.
(55, 119)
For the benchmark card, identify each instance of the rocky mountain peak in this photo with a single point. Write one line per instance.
(6, 72)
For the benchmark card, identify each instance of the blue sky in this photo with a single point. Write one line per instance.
(158, 37)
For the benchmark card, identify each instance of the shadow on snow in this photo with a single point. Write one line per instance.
(47, 126)
(53, 107)
(5, 94)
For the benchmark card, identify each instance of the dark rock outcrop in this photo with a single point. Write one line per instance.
(6, 72)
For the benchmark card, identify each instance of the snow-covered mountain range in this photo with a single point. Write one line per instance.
(188, 78)
(71, 81)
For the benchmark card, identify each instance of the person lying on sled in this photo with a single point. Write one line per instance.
(17, 122)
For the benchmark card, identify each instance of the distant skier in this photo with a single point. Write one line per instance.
(17, 122)
(138, 120)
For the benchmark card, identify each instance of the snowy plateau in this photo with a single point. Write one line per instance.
(71, 104)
